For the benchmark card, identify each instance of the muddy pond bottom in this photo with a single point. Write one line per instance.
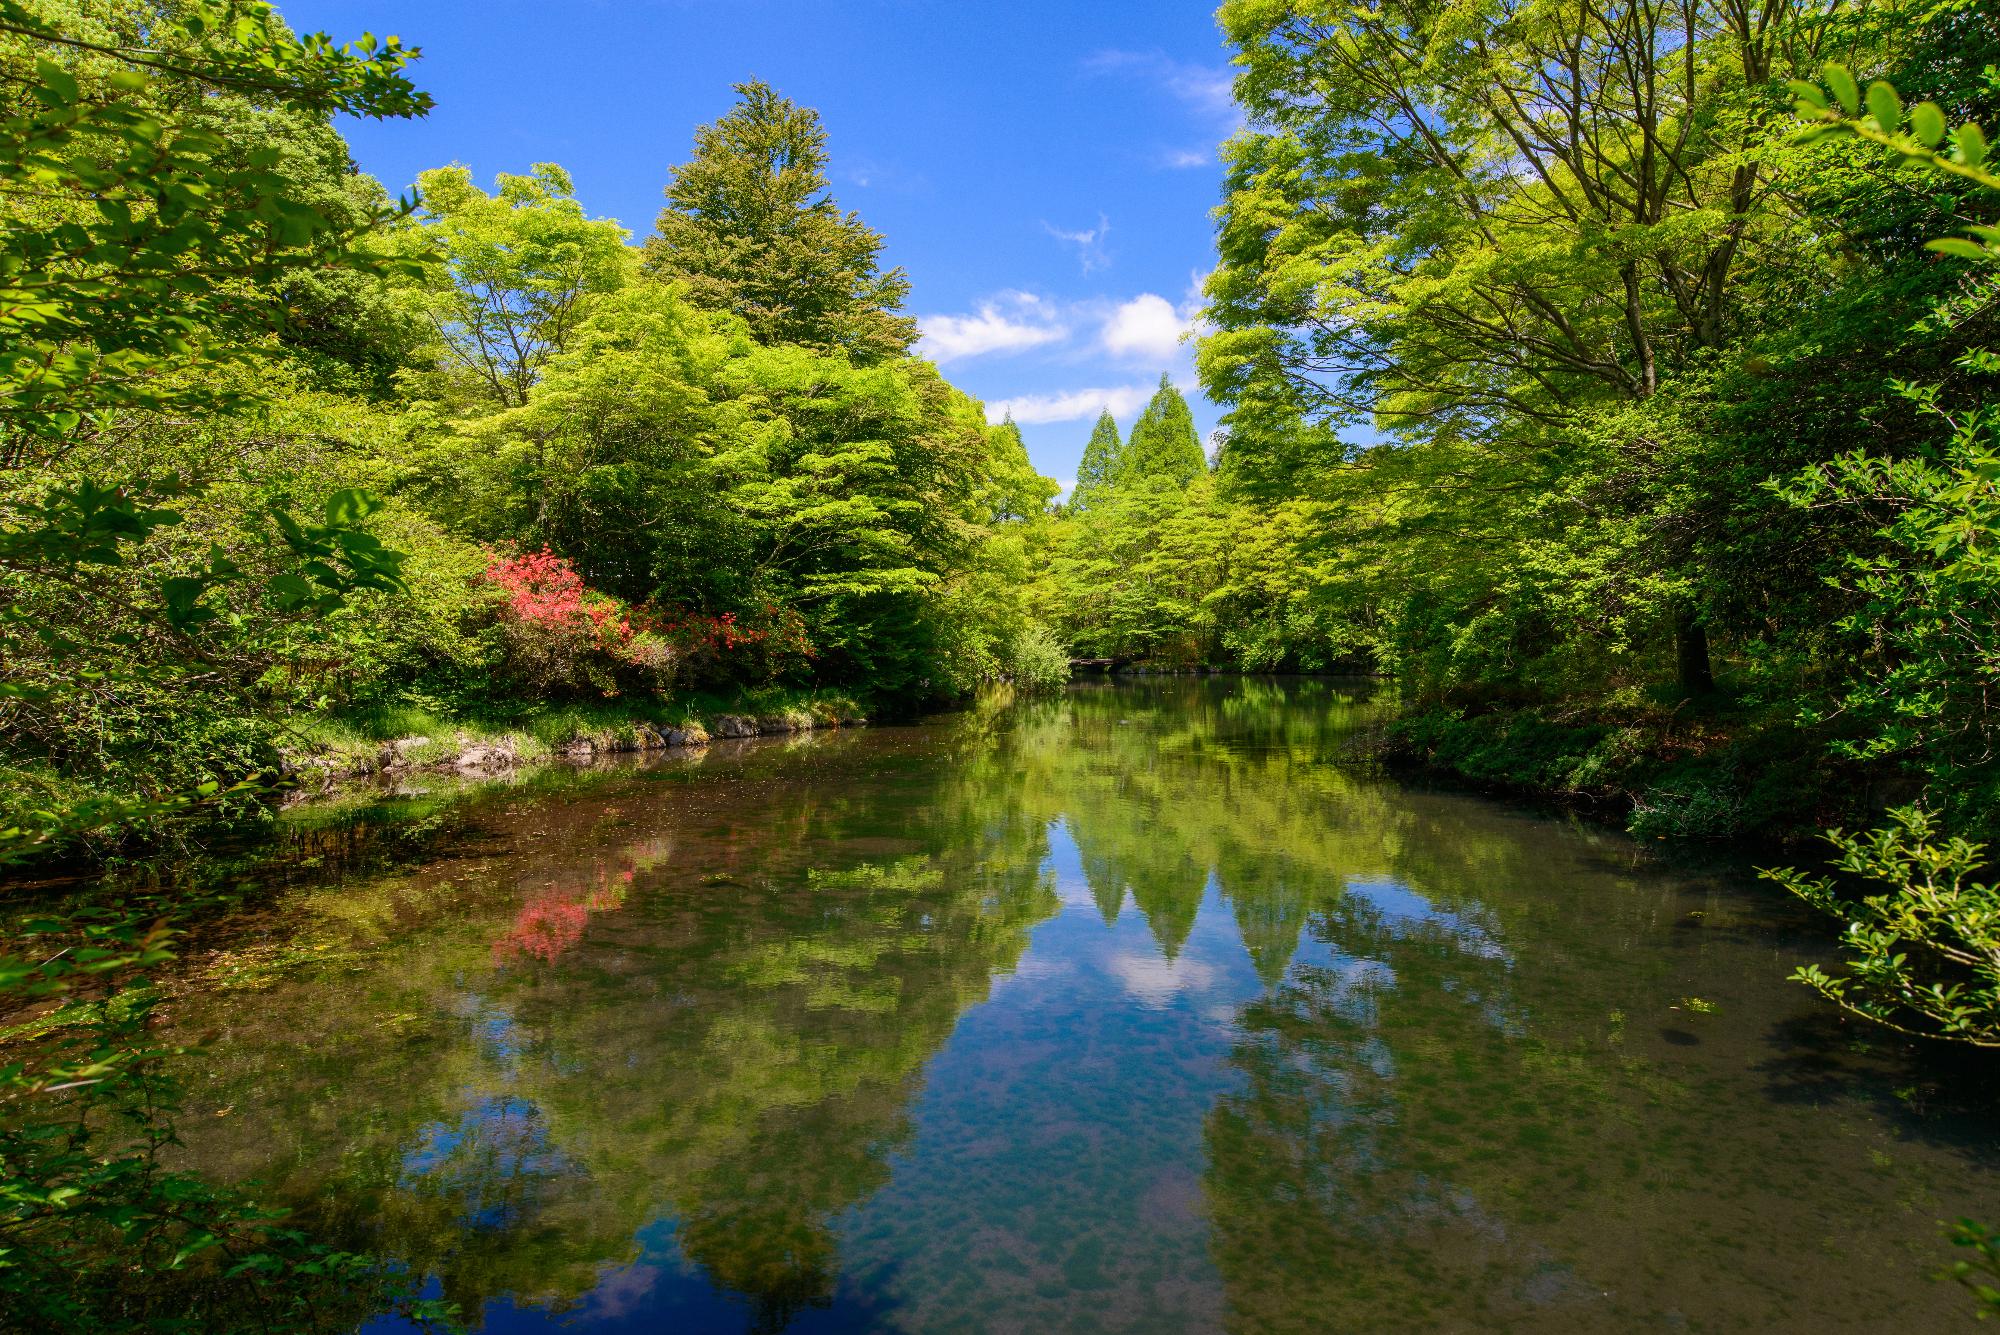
(1134, 1009)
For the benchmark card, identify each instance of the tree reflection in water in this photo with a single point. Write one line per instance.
(1131, 1009)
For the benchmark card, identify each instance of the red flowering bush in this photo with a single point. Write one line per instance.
(560, 634)
(727, 647)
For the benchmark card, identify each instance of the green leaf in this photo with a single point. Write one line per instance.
(61, 85)
(1971, 145)
(1885, 107)
(1844, 88)
(351, 506)
(183, 598)
(290, 589)
(1809, 95)
(1959, 246)
(1927, 124)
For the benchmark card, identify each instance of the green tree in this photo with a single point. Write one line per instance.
(166, 173)
(155, 211)
(1098, 471)
(751, 228)
(1164, 447)
(1017, 490)
(518, 270)
(147, 209)
(679, 463)
(1477, 230)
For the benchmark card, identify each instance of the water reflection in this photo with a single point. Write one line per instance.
(1128, 1010)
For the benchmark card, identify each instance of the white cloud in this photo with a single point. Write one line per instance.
(1146, 328)
(1181, 158)
(1073, 406)
(1154, 981)
(1203, 89)
(1011, 322)
(1089, 242)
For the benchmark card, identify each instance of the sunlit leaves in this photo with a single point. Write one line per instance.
(1924, 950)
(1918, 136)
(150, 230)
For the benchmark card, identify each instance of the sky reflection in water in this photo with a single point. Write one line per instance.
(1126, 1011)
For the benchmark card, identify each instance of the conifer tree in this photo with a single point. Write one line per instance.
(1016, 490)
(750, 228)
(1098, 472)
(1163, 445)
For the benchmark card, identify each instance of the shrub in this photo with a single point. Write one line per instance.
(563, 636)
(1692, 810)
(1036, 660)
(1924, 954)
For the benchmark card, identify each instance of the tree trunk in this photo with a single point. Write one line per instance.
(1697, 677)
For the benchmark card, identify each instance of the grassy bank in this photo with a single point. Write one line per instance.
(331, 747)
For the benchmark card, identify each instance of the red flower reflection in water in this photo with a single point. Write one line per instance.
(553, 922)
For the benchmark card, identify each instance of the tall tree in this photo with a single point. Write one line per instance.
(1475, 226)
(1098, 472)
(1164, 446)
(519, 267)
(750, 228)
(1015, 489)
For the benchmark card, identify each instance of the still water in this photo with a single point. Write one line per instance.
(1137, 1009)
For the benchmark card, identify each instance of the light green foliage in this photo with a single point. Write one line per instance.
(1519, 244)
(1036, 660)
(156, 204)
(1097, 473)
(1195, 576)
(682, 464)
(1925, 948)
(1016, 490)
(514, 276)
(1918, 134)
(145, 212)
(1152, 559)
(1581, 356)
(1505, 251)
(1926, 600)
(751, 229)
(1164, 449)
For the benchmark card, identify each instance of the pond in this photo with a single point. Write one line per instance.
(1140, 1008)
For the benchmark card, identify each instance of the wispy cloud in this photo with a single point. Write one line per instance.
(1010, 322)
(1180, 159)
(1089, 242)
(1073, 406)
(1202, 89)
(1146, 328)
(871, 173)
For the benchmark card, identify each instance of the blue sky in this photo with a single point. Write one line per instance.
(1044, 171)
